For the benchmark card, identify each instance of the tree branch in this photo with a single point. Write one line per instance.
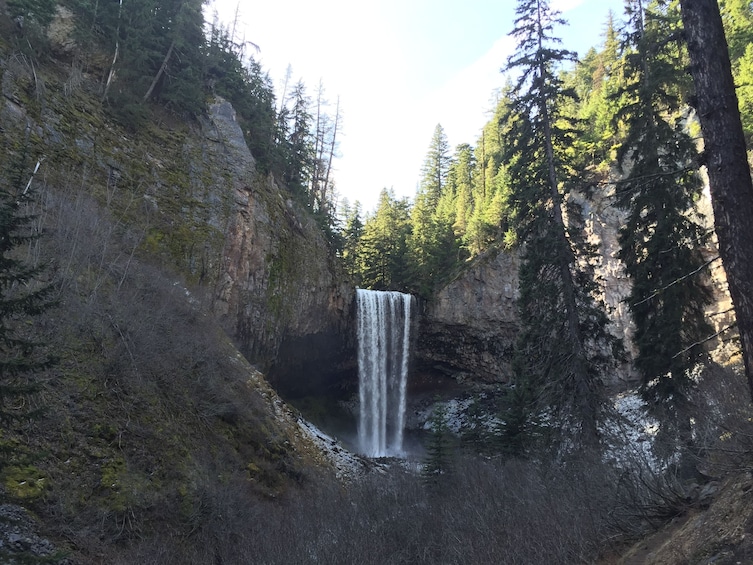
(160, 72)
(674, 282)
(704, 340)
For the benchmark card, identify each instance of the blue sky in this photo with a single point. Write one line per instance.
(399, 68)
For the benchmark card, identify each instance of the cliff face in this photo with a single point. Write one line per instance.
(279, 291)
(469, 328)
(192, 199)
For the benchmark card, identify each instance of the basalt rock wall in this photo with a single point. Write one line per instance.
(279, 291)
(469, 328)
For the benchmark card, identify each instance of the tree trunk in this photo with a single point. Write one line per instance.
(162, 68)
(726, 159)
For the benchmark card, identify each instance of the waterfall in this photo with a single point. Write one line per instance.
(383, 350)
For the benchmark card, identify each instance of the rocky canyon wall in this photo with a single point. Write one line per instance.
(279, 290)
(469, 329)
(187, 195)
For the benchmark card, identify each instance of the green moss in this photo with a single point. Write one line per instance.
(124, 488)
(24, 482)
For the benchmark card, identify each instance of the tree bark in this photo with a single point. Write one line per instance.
(725, 158)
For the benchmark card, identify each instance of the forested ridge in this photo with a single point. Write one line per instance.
(154, 57)
(465, 203)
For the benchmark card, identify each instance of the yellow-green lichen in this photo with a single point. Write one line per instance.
(24, 482)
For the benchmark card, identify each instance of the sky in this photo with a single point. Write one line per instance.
(399, 68)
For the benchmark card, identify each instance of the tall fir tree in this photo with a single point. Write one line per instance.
(382, 253)
(22, 297)
(661, 239)
(563, 337)
(432, 245)
(299, 141)
(351, 234)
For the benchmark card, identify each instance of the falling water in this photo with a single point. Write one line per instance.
(383, 348)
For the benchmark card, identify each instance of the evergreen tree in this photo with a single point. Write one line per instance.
(460, 180)
(737, 17)
(559, 353)
(432, 244)
(596, 80)
(178, 82)
(299, 143)
(37, 12)
(250, 91)
(351, 235)
(489, 219)
(661, 239)
(382, 250)
(157, 56)
(22, 297)
(438, 449)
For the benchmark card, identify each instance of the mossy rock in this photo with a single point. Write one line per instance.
(24, 482)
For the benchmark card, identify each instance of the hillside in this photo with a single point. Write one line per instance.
(170, 255)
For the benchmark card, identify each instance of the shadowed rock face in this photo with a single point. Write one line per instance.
(279, 292)
(470, 327)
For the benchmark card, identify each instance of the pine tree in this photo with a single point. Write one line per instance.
(661, 239)
(22, 297)
(437, 460)
(382, 250)
(560, 352)
(432, 244)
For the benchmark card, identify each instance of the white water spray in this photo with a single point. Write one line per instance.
(383, 351)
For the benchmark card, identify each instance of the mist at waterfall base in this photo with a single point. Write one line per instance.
(383, 325)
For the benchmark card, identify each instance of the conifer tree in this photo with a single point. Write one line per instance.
(22, 297)
(488, 222)
(382, 250)
(661, 239)
(737, 17)
(437, 461)
(432, 245)
(461, 182)
(299, 142)
(562, 340)
(351, 234)
(596, 80)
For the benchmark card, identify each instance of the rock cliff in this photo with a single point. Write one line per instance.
(191, 198)
(279, 291)
(469, 328)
